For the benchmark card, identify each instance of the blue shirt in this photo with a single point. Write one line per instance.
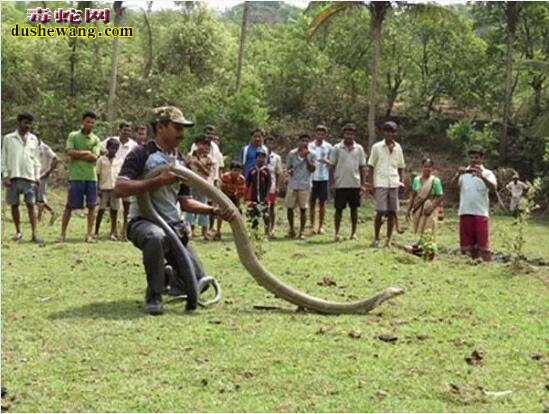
(247, 157)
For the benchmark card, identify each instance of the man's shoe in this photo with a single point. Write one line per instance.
(37, 239)
(153, 303)
(375, 244)
(17, 237)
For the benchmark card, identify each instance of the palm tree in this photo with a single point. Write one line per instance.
(378, 12)
(245, 12)
(118, 10)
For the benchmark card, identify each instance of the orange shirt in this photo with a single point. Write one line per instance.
(233, 186)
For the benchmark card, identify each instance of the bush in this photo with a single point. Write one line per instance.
(465, 134)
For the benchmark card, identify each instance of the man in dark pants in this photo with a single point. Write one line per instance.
(168, 195)
(347, 177)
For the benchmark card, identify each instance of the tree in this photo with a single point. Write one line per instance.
(377, 11)
(242, 45)
(118, 10)
(511, 10)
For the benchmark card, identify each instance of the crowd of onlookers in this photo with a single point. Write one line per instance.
(314, 172)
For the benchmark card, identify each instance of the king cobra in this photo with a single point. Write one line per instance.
(246, 254)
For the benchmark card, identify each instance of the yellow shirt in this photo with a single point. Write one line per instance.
(386, 164)
(107, 171)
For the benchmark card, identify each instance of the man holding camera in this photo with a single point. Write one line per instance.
(475, 183)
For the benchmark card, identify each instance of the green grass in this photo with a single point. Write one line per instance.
(75, 338)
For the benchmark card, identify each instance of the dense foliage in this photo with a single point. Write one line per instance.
(434, 66)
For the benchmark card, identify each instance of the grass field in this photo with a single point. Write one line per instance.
(75, 338)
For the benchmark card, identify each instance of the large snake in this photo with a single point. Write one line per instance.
(247, 256)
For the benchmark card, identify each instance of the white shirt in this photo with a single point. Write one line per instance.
(274, 163)
(473, 193)
(517, 189)
(386, 164)
(46, 157)
(321, 152)
(123, 149)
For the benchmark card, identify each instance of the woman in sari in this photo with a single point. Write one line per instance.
(426, 197)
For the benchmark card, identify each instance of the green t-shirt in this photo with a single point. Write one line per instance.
(80, 169)
(436, 189)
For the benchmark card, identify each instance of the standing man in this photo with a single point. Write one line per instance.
(347, 177)
(516, 188)
(321, 149)
(301, 164)
(21, 172)
(385, 165)
(48, 162)
(247, 153)
(83, 148)
(475, 183)
(126, 145)
(274, 163)
(169, 196)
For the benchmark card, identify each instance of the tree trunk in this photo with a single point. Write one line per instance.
(511, 15)
(377, 12)
(149, 61)
(242, 45)
(114, 63)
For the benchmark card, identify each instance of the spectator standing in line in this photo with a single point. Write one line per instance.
(48, 163)
(426, 197)
(385, 166)
(301, 165)
(321, 149)
(202, 164)
(274, 163)
(83, 148)
(247, 153)
(126, 145)
(258, 183)
(21, 173)
(108, 167)
(347, 177)
(475, 182)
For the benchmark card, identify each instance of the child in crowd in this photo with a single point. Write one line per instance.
(201, 163)
(233, 185)
(258, 183)
(108, 167)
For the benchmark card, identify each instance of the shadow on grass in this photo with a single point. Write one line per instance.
(123, 309)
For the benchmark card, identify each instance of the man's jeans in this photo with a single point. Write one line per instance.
(153, 242)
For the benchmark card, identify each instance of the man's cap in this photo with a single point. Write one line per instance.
(390, 125)
(476, 149)
(515, 175)
(209, 127)
(349, 127)
(170, 113)
(321, 127)
(260, 151)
